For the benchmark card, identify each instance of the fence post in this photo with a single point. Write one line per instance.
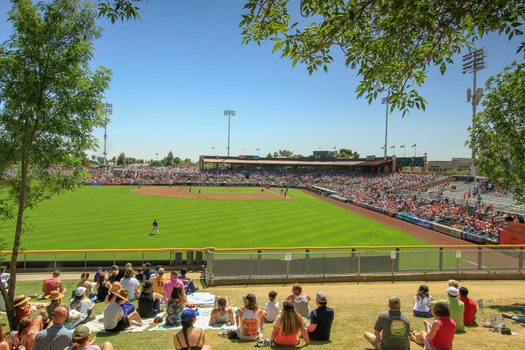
(480, 258)
(307, 261)
(189, 257)
(520, 259)
(440, 262)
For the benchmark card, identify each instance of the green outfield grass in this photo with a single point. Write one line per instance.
(105, 217)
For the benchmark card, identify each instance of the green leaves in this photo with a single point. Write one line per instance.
(498, 135)
(118, 9)
(391, 43)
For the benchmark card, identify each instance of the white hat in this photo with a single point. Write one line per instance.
(80, 291)
(453, 291)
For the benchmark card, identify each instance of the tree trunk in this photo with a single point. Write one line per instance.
(11, 314)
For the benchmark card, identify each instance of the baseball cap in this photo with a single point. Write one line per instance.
(81, 332)
(188, 314)
(147, 264)
(320, 296)
(80, 291)
(160, 270)
(453, 291)
(114, 267)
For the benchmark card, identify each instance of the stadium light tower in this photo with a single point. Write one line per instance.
(108, 109)
(230, 114)
(472, 62)
(385, 100)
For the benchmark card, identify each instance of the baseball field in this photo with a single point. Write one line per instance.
(111, 217)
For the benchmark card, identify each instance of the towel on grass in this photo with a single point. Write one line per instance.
(202, 322)
(201, 298)
(97, 325)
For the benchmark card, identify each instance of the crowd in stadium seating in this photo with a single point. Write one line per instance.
(385, 191)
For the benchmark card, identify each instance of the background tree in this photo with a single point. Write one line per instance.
(51, 101)
(391, 43)
(498, 138)
(346, 153)
(168, 161)
(119, 9)
(121, 159)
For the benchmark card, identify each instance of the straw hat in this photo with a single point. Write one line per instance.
(20, 299)
(115, 287)
(55, 295)
(122, 293)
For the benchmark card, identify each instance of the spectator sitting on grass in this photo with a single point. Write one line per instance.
(321, 319)
(114, 318)
(190, 337)
(249, 319)
(221, 312)
(175, 306)
(23, 336)
(130, 283)
(189, 285)
(287, 327)
(271, 307)
(56, 337)
(300, 300)
(80, 308)
(422, 300)
(171, 283)
(149, 301)
(392, 328)
(82, 341)
(440, 334)
(469, 315)
(456, 307)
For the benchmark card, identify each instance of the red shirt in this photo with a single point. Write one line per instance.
(470, 310)
(51, 284)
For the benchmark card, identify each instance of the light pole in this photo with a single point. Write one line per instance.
(385, 100)
(230, 114)
(473, 62)
(108, 109)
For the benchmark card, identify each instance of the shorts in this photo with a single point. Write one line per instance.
(121, 325)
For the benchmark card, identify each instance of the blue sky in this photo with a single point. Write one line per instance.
(182, 65)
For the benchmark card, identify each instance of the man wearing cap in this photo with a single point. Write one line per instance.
(56, 337)
(320, 319)
(147, 272)
(52, 283)
(158, 281)
(457, 308)
(392, 328)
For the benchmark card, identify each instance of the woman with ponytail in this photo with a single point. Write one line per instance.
(287, 326)
(190, 338)
(24, 336)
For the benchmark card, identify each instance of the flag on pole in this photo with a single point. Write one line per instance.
(213, 147)
(402, 146)
(414, 145)
(394, 146)
(257, 149)
(335, 147)
(382, 147)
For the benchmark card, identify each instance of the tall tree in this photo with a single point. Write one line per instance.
(346, 153)
(119, 9)
(51, 101)
(121, 159)
(392, 43)
(498, 135)
(169, 159)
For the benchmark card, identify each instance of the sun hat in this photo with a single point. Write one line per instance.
(453, 291)
(80, 291)
(320, 296)
(54, 295)
(81, 332)
(20, 299)
(189, 314)
(250, 297)
(115, 286)
(122, 293)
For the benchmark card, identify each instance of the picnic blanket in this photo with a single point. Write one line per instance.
(97, 325)
(202, 322)
(201, 298)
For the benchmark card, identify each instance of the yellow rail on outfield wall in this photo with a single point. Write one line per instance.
(177, 249)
